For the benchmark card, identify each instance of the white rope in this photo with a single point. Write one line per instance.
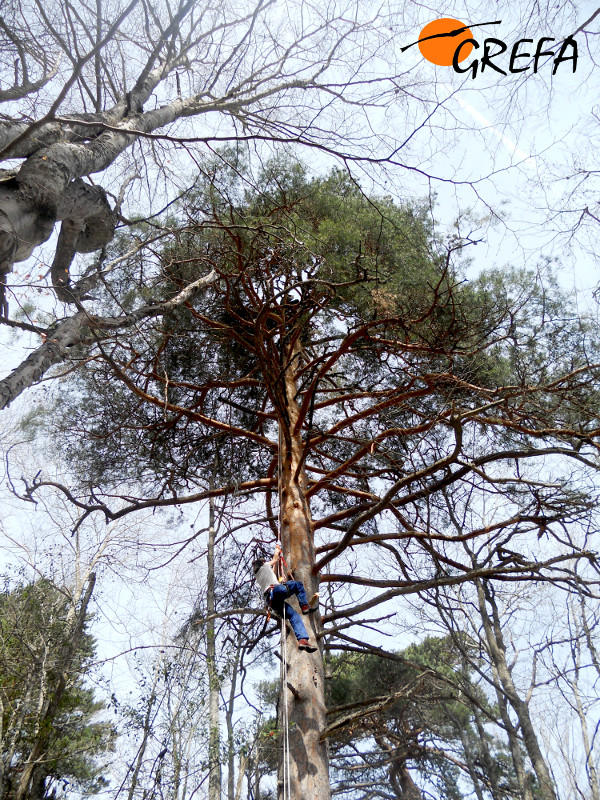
(286, 728)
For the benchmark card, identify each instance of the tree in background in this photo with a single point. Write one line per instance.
(405, 725)
(426, 723)
(514, 638)
(49, 732)
(575, 674)
(187, 696)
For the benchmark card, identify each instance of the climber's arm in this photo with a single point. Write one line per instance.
(273, 562)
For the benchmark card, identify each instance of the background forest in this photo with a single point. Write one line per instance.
(261, 282)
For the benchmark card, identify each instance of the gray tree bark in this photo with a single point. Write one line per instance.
(214, 739)
(81, 328)
(497, 651)
(229, 722)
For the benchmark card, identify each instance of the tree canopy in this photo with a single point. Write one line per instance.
(409, 379)
(421, 713)
(340, 376)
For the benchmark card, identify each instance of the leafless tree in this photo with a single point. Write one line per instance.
(85, 84)
(136, 93)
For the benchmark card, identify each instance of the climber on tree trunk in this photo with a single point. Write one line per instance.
(276, 593)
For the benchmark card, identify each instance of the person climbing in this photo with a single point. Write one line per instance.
(276, 593)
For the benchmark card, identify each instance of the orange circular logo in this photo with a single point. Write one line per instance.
(439, 39)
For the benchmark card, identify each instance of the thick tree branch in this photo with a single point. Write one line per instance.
(83, 329)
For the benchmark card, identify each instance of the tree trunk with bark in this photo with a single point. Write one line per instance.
(214, 741)
(497, 652)
(307, 713)
(229, 709)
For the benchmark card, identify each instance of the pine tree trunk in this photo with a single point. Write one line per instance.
(309, 760)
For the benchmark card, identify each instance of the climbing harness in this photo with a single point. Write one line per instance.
(282, 568)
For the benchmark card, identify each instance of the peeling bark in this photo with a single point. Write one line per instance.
(307, 712)
(403, 785)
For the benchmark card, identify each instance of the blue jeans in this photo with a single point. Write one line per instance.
(279, 594)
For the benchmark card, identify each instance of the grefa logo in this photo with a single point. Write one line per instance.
(448, 42)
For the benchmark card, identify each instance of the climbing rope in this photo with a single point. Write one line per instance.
(285, 716)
